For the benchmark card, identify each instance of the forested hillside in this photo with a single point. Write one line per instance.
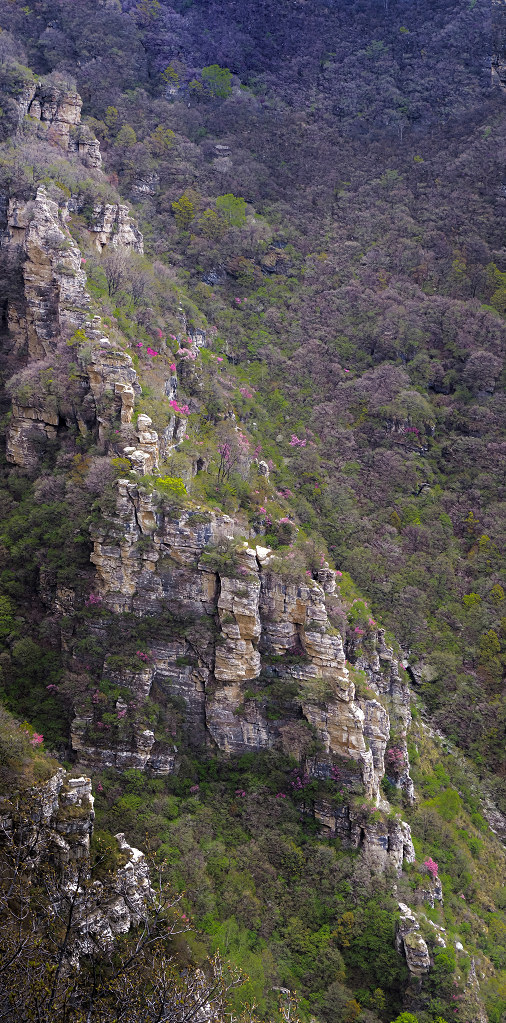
(254, 467)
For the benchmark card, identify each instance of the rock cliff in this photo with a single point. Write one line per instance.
(240, 658)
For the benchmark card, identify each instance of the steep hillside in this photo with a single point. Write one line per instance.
(253, 352)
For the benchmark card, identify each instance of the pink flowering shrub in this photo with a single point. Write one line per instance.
(36, 739)
(395, 758)
(183, 410)
(296, 442)
(431, 866)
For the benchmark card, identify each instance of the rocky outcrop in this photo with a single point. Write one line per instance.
(111, 224)
(59, 824)
(53, 299)
(252, 629)
(383, 671)
(119, 904)
(409, 941)
(385, 842)
(57, 107)
(52, 827)
(27, 427)
(240, 656)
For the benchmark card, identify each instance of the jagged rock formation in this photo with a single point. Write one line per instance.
(383, 675)
(60, 822)
(409, 941)
(51, 828)
(58, 109)
(52, 299)
(147, 562)
(111, 224)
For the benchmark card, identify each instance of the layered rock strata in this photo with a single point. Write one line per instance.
(257, 665)
(240, 658)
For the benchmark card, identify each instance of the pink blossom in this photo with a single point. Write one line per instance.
(240, 792)
(339, 573)
(346, 371)
(238, 300)
(308, 572)
(139, 344)
(100, 787)
(159, 332)
(36, 739)
(182, 409)
(431, 866)
(173, 367)
(263, 510)
(172, 337)
(219, 359)
(281, 795)
(51, 687)
(194, 789)
(151, 351)
(121, 713)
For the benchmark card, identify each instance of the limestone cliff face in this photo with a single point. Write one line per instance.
(52, 299)
(239, 660)
(58, 110)
(257, 666)
(111, 224)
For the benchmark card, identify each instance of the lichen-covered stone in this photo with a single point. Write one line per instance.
(409, 941)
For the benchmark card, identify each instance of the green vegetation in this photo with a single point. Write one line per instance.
(347, 407)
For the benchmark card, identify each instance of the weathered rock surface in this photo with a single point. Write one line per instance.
(55, 830)
(53, 299)
(61, 820)
(384, 673)
(112, 225)
(59, 112)
(409, 941)
(146, 561)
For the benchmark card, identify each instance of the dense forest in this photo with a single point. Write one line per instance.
(320, 190)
